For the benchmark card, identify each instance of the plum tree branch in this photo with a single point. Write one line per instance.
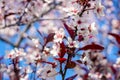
(28, 26)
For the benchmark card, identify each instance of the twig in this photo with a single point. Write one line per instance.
(19, 21)
(61, 71)
(7, 41)
(21, 35)
(83, 10)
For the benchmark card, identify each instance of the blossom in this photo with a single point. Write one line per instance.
(71, 7)
(93, 29)
(87, 30)
(55, 49)
(28, 69)
(72, 44)
(78, 69)
(36, 42)
(15, 53)
(99, 8)
(26, 77)
(83, 29)
(47, 72)
(46, 51)
(75, 21)
(59, 35)
(30, 58)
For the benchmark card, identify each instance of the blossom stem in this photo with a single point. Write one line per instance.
(61, 71)
(65, 70)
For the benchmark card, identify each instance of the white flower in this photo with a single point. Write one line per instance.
(93, 76)
(15, 53)
(11, 54)
(25, 78)
(3, 68)
(47, 72)
(72, 43)
(83, 29)
(59, 35)
(55, 49)
(30, 58)
(93, 28)
(99, 8)
(28, 69)
(79, 70)
(46, 51)
(36, 42)
(71, 7)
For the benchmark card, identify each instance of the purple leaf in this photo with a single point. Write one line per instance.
(70, 30)
(92, 46)
(61, 60)
(62, 50)
(116, 36)
(50, 37)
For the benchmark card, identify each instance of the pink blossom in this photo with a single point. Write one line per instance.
(99, 8)
(72, 44)
(59, 35)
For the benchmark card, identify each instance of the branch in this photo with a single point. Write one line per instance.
(19, 21)
(83, 10)
(7, 41)
(65, 70)
(28, 26)
(21, 35)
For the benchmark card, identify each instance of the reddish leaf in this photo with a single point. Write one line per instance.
(62, 50)
(61, 60)
(72, 77)
(50, 37)
(116, 36)
(52, 63)
(71, 64)
(70, 30)
(92, 46)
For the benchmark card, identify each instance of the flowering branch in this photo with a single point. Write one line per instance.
(65, 41)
